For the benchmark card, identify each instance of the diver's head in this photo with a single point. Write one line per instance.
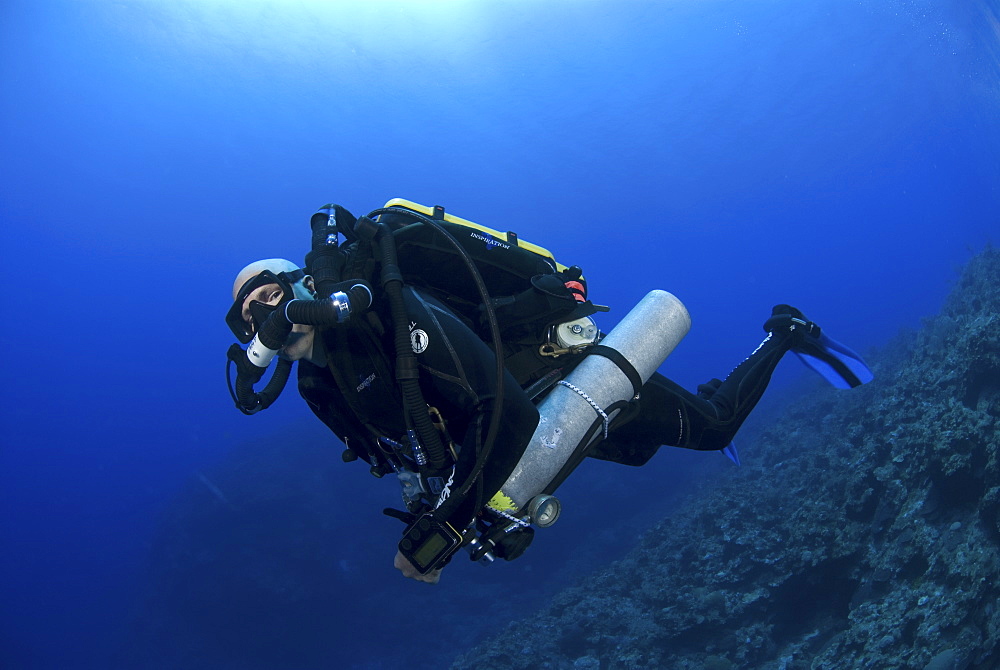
(301, 282)
(259, 289)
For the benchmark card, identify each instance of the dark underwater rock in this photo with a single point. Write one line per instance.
(864, 533)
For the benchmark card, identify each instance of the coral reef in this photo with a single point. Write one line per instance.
(864, 533)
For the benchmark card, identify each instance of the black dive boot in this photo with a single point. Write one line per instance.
(838, 364)
(786, 320)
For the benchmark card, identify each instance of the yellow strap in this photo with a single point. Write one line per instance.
(451, 218)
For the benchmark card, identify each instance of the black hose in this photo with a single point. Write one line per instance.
(248, 374)
(325, 266)
(407, 370)
(325, 260)
(456, 498)
(588, 443)
(327, 312)
(276, 385)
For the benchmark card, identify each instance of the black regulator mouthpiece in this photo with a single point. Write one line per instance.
(251, 363)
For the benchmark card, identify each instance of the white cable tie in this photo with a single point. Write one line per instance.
(510, 517)
(597, 408)
(446, 491)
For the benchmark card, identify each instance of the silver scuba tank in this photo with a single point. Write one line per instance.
(645, 337)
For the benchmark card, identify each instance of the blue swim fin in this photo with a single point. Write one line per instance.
(838, 364)
(731, 453)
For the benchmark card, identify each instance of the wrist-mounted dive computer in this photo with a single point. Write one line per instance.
(428, 543)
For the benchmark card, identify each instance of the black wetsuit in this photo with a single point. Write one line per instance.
(458, 378)
(669, 415)
(357, 396)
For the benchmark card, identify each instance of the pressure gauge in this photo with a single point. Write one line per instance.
(544, 510)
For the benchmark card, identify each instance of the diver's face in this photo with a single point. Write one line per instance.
(299, 343)
(268, 294)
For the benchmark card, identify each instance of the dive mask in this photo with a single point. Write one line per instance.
(259, 311)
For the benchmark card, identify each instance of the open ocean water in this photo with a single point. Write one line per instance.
(841, 156)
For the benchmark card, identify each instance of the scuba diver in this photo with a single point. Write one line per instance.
(466, 362)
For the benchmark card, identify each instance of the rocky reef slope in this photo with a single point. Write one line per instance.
(865, 532)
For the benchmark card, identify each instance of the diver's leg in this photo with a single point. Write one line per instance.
(672, 416)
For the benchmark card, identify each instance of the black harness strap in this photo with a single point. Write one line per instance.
(590, 440)
(623, 364)
(626, 412)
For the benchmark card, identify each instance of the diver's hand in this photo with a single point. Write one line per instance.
(404, 566)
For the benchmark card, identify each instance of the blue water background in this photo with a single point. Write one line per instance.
(840, 156)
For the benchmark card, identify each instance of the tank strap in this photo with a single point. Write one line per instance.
(623, 364)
